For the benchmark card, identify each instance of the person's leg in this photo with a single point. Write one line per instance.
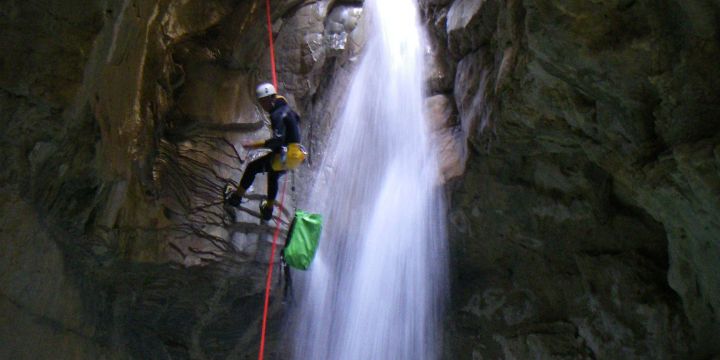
(253, 168)
(272, 185)
(267, 206)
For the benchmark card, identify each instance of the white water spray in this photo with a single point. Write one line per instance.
(376, 286)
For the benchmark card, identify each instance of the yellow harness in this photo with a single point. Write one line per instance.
(290, 158)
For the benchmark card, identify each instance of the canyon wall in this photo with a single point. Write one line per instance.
(580, 153)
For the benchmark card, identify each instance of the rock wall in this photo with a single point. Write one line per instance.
(119, 120)
(585, 225)
(579, 145)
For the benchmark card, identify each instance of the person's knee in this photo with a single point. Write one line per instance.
(254, 167)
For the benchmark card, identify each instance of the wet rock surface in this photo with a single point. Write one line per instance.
(580, 228)
(121, 122)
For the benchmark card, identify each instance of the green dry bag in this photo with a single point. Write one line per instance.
(303, 239)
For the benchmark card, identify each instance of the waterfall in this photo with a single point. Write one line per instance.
(376, 287)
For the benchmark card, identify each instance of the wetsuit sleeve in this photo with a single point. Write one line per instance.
(278, 128)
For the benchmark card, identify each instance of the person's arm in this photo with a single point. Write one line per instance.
(278, 128)
(277, 121)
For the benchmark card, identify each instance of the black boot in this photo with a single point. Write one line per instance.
(266, 210)
(231, 200)
(232, 197)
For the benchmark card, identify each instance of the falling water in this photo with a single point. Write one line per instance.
(376, 286)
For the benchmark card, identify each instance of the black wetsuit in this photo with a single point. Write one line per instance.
(286, 129)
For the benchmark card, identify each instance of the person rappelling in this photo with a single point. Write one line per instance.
(286, 151)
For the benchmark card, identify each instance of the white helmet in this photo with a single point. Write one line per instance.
(264, 90)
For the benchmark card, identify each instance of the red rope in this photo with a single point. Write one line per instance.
(272, 46)
(268, 283)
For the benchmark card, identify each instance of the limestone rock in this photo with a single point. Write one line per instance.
(470, 25)
(119, 128)
(190, 17)
(339, 24)
(440, 68)
(603, 125)
(300, 48)
(441, 111)
(40, 304)
(450, 139)
(212, 94)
